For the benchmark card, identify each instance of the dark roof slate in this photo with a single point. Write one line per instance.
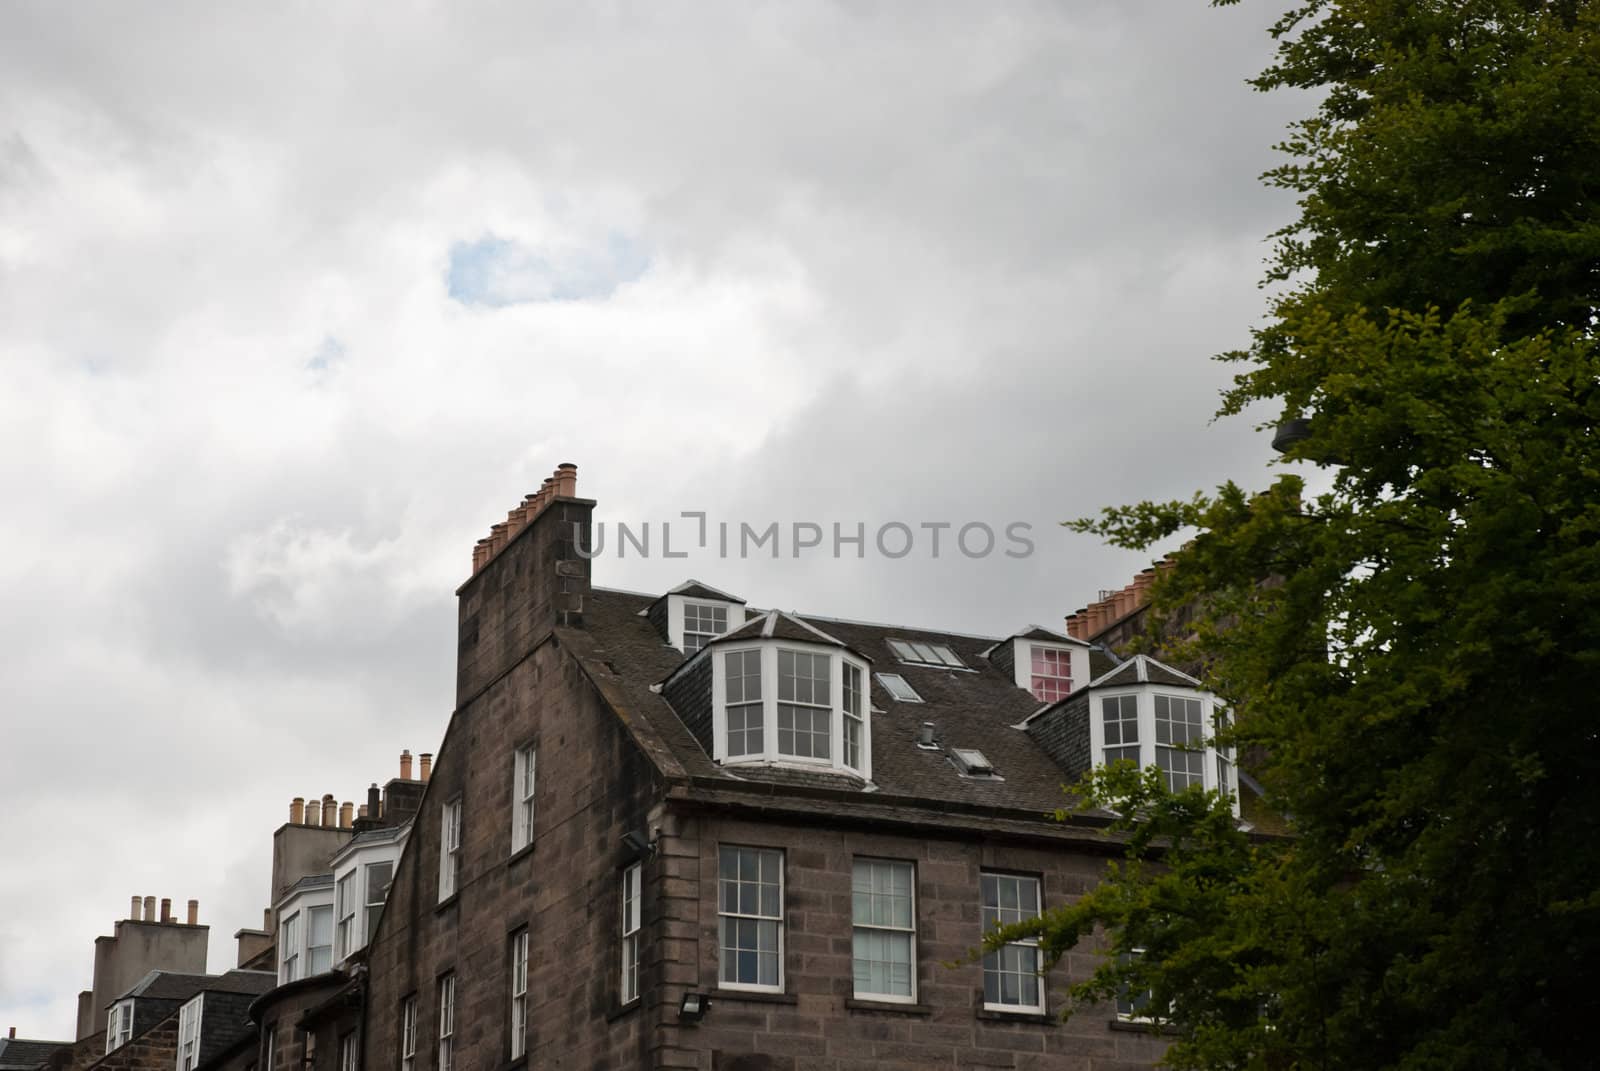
(173, 985)
(1142, 669)
(22, 1054)
(975, 708)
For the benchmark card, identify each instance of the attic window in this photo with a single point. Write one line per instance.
(897, 687)
(972, 762)
(702, 622)
(927, 654)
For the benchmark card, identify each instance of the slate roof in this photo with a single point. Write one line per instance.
(173, 985)
(974, 708)
(1143, 668)
(20, 1054)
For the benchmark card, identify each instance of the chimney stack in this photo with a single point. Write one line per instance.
(313, 812)
(297, 811)
(136, 913)
(166, 909)
(194, 912)
(346, 813)
(149, 908)
(426, 763)
(405, 765)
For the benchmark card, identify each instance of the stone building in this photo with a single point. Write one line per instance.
(673, 831)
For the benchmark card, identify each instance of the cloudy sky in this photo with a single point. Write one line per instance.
(297, 299)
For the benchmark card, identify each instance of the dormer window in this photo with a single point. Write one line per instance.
(701, 622)
(926, 654)
(1052, 672)
(692, 614)
(787, 702)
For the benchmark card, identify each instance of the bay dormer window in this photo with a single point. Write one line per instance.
(789, 702)
(1144, 713)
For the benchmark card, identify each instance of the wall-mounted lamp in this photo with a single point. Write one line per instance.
(693, 1007)
(638, 844)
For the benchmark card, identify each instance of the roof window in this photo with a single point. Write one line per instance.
(897, 688)
(972, 762)
(926, 654)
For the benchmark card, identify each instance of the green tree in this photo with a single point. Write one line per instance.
(1421, 688)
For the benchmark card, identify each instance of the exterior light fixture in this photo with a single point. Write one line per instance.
(1291, 432)
(693, 1007)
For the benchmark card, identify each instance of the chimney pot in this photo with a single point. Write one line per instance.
(405, 765)
(346, 812)
(166, 909)
(567, 480)
(425, 761)
(194, 912)
(149, 908)
(314, 813)
(374, 800)
(135, 912)
(330, 810)
(13, 1034)
(297, 811)
(361, 811)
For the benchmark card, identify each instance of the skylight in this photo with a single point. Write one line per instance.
(897, 687)
(972, 762)
(927, 654)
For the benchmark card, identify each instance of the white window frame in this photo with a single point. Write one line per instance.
(449, 849)
(926, 653)
(119, 1025)
(1144, 694)
(855, 720)
(857, 926)
(696, 638)
(1126, 1010)
(524, 784)
(519, 994)
(344, 895)
(677, 620)
(1059, 683)
(1031, 944)
(724, 917)
(290, 948)
(447, 1021)
(408, 1033)
(632, 919)
(311, 949)
(347, 1052)
(1194, 761)
(767, 652)
(368, 919)
(804, 662)
(908, 696)
(189, 1018)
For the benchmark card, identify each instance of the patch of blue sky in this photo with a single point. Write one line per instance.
(494, 272)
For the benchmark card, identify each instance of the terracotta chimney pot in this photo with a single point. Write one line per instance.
(149, 908)
(361, 811)
(330, 810)
(346, 813)
(166, 909)
(314, 812)
(297, 811)
(405, 765)
(194, 912)
(135, 912)
(567, 480)
(426, 764)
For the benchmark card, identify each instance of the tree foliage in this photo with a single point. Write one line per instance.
(1420, 689)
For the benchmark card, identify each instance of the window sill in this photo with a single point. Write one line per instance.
(1021, 1015)
(447, 903)
(518, 1064)
(1143, 1026)
(520, 854)
(619, 1010)
(892, 1006)
(753, 996)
